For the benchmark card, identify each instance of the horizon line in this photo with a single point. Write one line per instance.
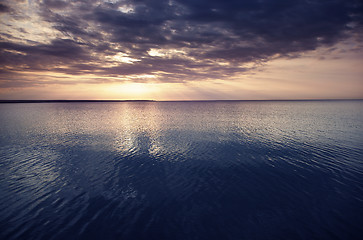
(148, 100)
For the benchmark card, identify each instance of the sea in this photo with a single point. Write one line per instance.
(224, 170)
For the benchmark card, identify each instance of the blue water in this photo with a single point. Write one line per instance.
(182, 170)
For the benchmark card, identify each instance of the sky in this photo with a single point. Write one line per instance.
(181, 49)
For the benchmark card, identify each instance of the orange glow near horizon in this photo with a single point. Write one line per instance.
(300, 78)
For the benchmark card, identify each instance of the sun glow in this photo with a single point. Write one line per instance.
(134, 91)
(122, 58)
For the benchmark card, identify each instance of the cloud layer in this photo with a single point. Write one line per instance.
(164, 40)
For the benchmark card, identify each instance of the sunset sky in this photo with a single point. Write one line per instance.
(181, 49)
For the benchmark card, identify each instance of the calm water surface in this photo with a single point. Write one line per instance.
(182, 170)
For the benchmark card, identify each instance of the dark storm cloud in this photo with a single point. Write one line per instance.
(59, 51)
(55, 4)
(207, 31)
(4, 8)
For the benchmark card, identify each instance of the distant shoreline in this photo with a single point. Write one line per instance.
(106, 101)
(69, 101)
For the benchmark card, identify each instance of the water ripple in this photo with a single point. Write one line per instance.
(181, 171)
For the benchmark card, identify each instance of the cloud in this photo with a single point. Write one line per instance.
(175, 40)
(4, 8)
